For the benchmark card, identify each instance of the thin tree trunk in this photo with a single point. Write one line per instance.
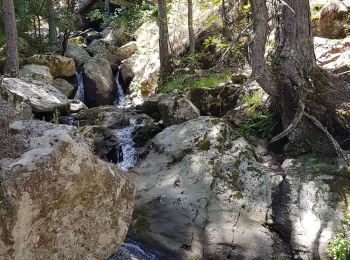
(164, 56)
(190, 26)
(52, 22)
(12, 64)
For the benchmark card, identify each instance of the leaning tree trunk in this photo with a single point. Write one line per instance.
(11, 65)
(308, 98)
(52, 22)
(164, 56)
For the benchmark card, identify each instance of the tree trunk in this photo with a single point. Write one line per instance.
(190, 26)
(12, 65)
(164, 56)
(307, 97)
(52, 22)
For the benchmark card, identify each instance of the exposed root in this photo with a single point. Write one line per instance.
(337, 148)
(297, 117)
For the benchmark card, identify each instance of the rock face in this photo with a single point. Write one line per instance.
(333, 55)
(64, 87)
(99, 83)
(203, 193)
(78, 54)
(36, 72)
(333, 19)
(60, 66)
(177, 109)
(125, 51)
(42, 98)
(61, 201)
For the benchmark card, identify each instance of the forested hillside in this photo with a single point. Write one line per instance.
(174, 129)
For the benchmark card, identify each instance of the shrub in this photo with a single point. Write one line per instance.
(338, 247)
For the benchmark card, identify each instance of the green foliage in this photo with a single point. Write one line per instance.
(316, 9)
(95, 15)
(338, 247)
(193, 60)
(346, 219)
(260, 121)
(65, 20)
(213, 40)
(185, 81)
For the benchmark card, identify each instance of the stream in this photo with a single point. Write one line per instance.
(130, 249)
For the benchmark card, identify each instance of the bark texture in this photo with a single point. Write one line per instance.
(307, 97)
(52, 22)
(190, 26)
(165, 65)
(12, 64)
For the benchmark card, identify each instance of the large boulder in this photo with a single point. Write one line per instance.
(177, 109)
(150, 105)
(99, 83)
(64, 87)
(125, 51)
(333, 19)
(59, 201)
(204, 193)
(77, 53)
(41, 97)
(60, 66)
(36, 72)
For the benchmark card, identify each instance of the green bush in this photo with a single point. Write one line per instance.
(338, 247)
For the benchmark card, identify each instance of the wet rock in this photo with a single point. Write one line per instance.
(92, 35)
(77, 106)
(36, 72)
(145, 133)
(177, 109)
(64, 87)
(58, 206)
(79, 54)
(60, 66)
(99, 83)
(41, 97)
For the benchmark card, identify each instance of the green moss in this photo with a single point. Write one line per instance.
(185, 81)
(203, 144)
(216, 121)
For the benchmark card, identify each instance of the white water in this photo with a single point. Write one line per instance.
(80, 82)
(120, 97)
(124, 136)
(138, 252)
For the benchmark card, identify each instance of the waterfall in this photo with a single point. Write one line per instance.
(120, 97)
(124, 135)
(80, 82)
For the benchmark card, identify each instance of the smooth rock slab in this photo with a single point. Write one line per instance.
(58, 200)
(42, 98)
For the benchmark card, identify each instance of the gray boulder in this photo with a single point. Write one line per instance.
(125, 51)
(58, 206)
(36, 72)
(99, 83)
(63, 86)
(177, 109)
(41, 97)
(204, 193)
(77, 53)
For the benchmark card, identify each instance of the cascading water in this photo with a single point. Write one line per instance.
(120, 97)
(124, 135)
(80, 82)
